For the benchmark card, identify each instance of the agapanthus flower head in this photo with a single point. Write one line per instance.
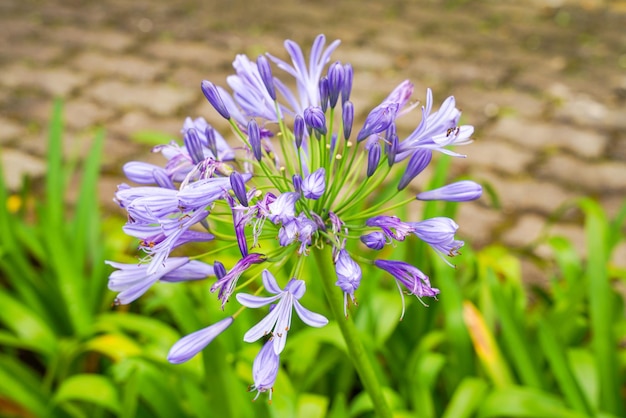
(295, 184)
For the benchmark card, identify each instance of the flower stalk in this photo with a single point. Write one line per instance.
(359, 356)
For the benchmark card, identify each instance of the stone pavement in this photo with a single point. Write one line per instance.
(544, 83)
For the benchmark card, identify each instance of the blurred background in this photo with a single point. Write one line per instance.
(543, 82)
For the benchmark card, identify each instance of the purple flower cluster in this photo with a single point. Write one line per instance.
(296, 184)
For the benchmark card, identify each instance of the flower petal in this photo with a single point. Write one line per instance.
(252, 301)
(310, 318)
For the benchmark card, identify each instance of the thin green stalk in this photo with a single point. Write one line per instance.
(350, 334)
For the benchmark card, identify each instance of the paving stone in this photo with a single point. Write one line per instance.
(544, 136)
(159, 99)
(477, 224)
(96, 38)
(581, 110)
(17, 164)
(605, 176)
(54, 81)
(34, 52)
(618, 257)
(9, 130)
(485, 104)
(115, 66)
(573, 233)
(525, 232)
(134, 121)
(81, 114)
(206, 54)
(497, 155)
(522, 195)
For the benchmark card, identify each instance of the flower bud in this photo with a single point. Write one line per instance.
(254, 135)
(266, 75)
(373, 158)
(213, 96)
(239, 188)
(298, 130)
(335, 83)
(418, 162)
(348, 118)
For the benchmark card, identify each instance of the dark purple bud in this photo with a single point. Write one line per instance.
(219, 270)
(346, 89)
(239, 188)
(374, 240)
(298, 130)
(266, 75)
(297, 183)
(373, 158)
(213, 96)
(391, 147)
(324, 93)
(254, 135)
(418, 162)
(348, 119)
(315, 120)
(210, 139)
(335, 82)
(193, 145)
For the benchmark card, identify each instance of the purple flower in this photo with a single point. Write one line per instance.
(213, 96)
(203, 192)
(250, 91)
(133, 280)
(461, 191)
(192, 344)
(283, 208)
(418, 162)
(416, 282)
(265, 370)
(374, 240)
(348, 277)
(307, 79)
(278, 321)
(392, 226)
(227, 284)
(436, 130)
(439, 234)
(314, 184)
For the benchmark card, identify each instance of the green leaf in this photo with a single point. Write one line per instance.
(150, 137)
(26, 325)
(518, 401)
(22, 386)
(601, 301)
(466, 399)
(312, 406)
(90, 388)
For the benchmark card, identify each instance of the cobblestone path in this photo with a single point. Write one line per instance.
(544, 83)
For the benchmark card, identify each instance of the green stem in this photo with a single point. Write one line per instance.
(356, 350)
